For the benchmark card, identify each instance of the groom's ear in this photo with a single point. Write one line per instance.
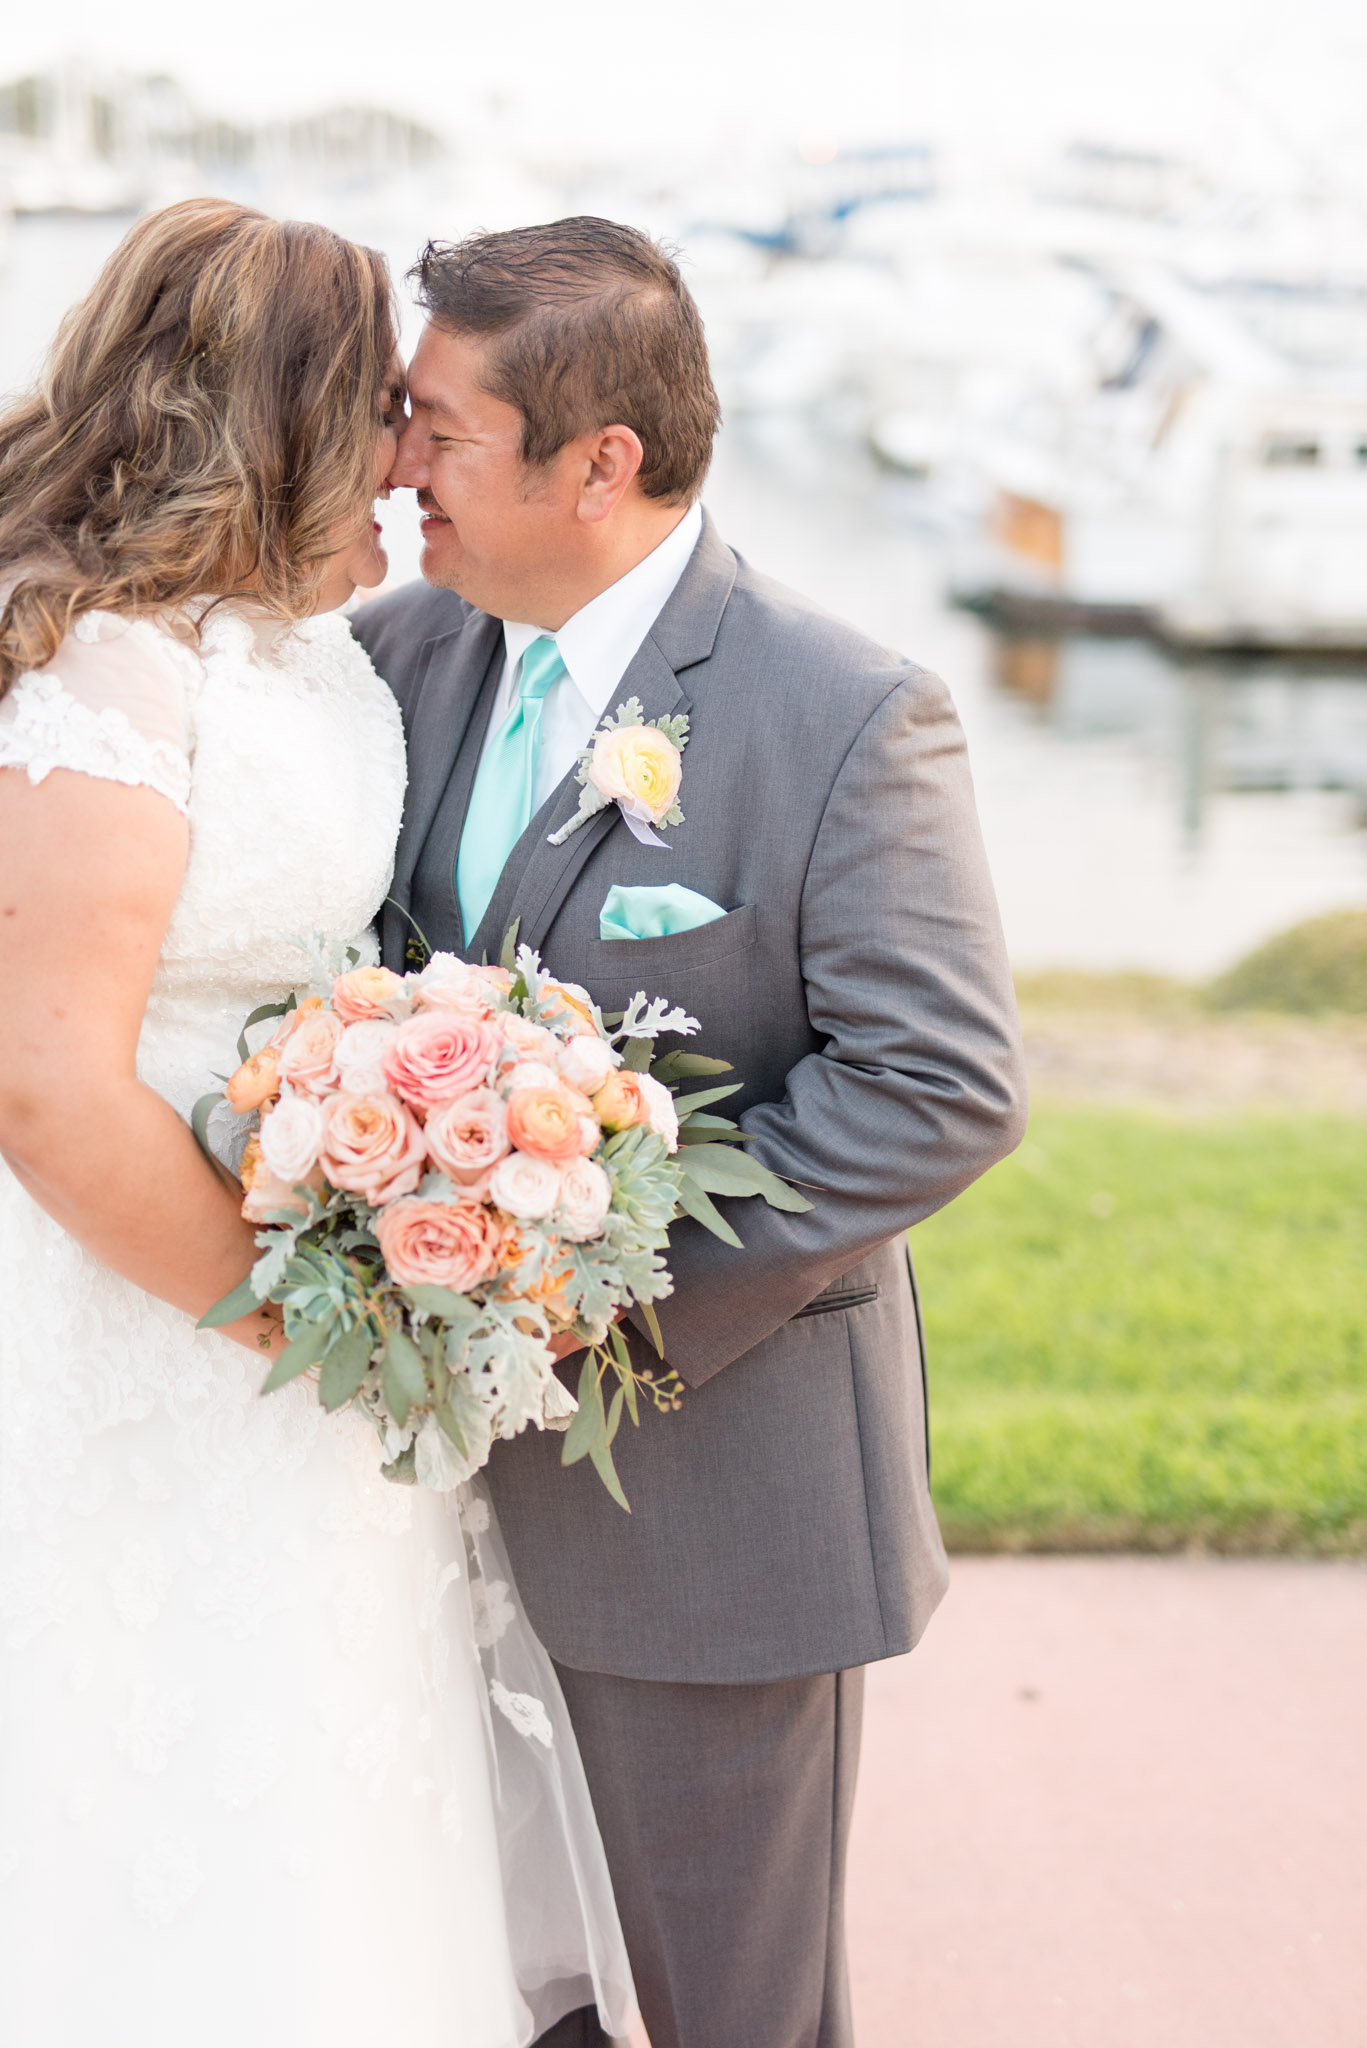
(609, 460)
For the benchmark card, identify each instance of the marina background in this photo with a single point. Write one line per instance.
(1041, 336)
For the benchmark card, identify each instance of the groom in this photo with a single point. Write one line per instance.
(825, 911)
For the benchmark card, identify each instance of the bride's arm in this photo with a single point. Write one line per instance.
(89, 874)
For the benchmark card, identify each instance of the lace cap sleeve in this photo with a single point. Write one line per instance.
(114, 702)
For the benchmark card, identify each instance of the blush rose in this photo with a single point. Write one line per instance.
(439, 1244)
(372, 1146)
(364, 992)
(469, 1136)
(438, 1055)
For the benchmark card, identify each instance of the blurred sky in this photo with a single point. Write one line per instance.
(1272, 93)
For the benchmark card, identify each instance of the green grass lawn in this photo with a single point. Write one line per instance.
(1146, 1332)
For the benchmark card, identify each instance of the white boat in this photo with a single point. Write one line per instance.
(1206, 484)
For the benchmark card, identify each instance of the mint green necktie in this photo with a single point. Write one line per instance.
(501, 800)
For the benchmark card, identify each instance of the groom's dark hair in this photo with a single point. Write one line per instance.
(590, 325)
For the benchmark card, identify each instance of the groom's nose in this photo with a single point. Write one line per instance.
(410, 471)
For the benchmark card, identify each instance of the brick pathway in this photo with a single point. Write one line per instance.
(1119, 1803)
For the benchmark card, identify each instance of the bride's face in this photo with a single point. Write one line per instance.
(361, 563)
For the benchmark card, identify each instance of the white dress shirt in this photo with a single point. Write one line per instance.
(597, 647)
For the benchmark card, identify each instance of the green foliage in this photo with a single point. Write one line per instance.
(1315, 967)
(1146, 1333)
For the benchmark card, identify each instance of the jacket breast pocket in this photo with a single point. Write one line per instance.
(629, 964)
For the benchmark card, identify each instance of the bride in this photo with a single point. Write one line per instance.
(280, 1760)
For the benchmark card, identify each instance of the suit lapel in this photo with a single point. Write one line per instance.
(456, 669)
(537, 875)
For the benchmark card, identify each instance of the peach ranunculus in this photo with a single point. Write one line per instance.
(364, 993)
(638, 765)
(372, 1146)
(309, 1059)
(292, 1137)
(587, 1061)
(262, 1192)
(447, 983)
(545, 1123)
(468, 1136)
(439, 1244)
(292, 1019)
(439, 1055)
(621, 1102)
(256, 1082)
(575, 1007)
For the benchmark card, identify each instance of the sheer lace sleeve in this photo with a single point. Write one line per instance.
(114, 702)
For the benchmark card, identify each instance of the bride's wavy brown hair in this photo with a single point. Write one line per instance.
(206, 423)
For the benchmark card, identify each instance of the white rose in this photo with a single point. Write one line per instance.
(585, 1198)
(447, 983)
(664, 1118)
(291, 1138)
(528, 1074)
(360, 1057)
(586, 1062)
(525, 1187)
(533, 1041)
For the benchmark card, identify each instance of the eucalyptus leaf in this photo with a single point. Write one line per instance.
(243, 1299)
(723, 1170)
(344, 1367)
(700, 1207)
(589, 1423)
(636, 1055)
(508, 957)
(652, 1323)
(259, 1016)
(607, 1472)
(687, 1066)
(199, 1123)
(442, 1301)
(403, 1379)
(686, 1105)
(615, 1413)
(298, 1356)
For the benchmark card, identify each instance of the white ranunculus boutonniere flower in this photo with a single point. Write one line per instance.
(636, 766)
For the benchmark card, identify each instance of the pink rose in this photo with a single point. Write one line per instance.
(292, 1019)
(364, 992)
(447, 983)
(438, 1055)
(292, 1137)
(586, 1062)
(585, 1198)
(360, 1057)
(525, 1187)
(468, 1136)
(439, 1244)
(372, 1146)
(309, 1059)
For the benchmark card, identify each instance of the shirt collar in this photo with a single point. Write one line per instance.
(602, 639)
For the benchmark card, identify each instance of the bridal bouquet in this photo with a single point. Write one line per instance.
(451, 1168)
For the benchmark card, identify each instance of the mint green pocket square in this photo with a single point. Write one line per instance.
(654, 913)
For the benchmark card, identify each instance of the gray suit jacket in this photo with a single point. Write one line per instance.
(781, 1520)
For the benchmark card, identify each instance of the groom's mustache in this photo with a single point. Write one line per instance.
(428, 504)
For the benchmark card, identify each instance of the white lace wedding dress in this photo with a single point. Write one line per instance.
(281, 1762)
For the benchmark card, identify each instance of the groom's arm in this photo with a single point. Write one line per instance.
(920, 1085)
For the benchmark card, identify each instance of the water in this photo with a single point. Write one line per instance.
(1138, 812)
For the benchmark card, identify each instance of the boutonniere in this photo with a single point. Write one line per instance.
(636, 766)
